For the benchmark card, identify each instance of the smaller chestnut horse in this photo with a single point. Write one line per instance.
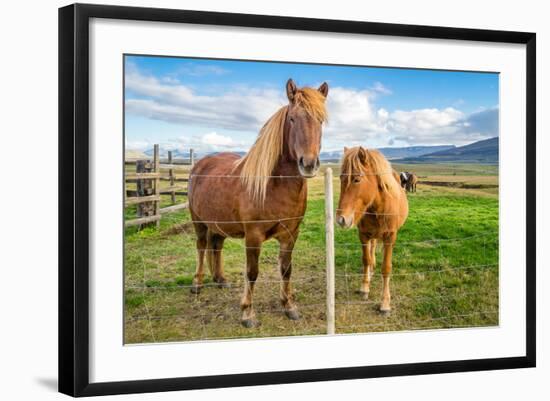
(371, 198)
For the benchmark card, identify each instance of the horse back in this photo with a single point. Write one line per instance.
(388, 215)
(218, 198)
(214, 189)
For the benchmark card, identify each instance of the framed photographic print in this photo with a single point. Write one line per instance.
(253, 189)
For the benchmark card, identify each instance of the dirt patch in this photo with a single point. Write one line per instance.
(458, 184)
(183, 228)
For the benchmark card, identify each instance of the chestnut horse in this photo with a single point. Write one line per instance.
(371, 197)
(259, 196)
(411, 182)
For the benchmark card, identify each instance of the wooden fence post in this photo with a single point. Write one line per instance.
(144, 188)
(147, 197)
(172, 181)
(329, 229)
(156, 161)
(191, 157)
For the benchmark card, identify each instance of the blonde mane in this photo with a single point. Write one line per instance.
(374, 164)
(260, 161)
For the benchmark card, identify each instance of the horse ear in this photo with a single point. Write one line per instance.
(291, 89)
(345, 149)
(362, 154)
(323, 89)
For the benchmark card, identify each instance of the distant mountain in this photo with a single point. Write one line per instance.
(335, 156)
(484, 151)
(413, 151)
(392, 153)
(135, 155)
(176, 154)
(179, 154)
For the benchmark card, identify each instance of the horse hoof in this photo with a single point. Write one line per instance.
(224, 284)
(250, 323)
(195, 289)
(385, 311)
(292, 314)
(364, 294)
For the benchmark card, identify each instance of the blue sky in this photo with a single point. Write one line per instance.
(214, 105)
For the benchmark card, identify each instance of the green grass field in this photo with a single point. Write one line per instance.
(445, 269)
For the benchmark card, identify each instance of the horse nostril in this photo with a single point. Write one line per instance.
(309, 163)
(341, 221)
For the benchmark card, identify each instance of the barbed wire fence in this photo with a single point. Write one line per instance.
(202, 314)
(326, 295)
(214, 307)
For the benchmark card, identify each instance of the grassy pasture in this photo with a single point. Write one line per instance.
(445, 269)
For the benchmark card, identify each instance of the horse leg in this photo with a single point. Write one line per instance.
(201, 231)
(286, 246)
(253, 243)
(216, 261)
(368, 264)
(389, 241)
(373, 256)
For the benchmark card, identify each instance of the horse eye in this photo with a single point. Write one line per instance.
(356, 180)
(291, 120)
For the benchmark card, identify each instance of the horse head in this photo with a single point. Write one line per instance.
(303, 126)
(358, 187)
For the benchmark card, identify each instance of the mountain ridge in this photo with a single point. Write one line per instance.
(483, 151)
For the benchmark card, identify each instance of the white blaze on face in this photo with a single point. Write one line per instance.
(404, 176)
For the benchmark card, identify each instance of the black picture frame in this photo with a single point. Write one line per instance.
(74, 198)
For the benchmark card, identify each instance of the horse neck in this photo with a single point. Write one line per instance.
(287, 166)
(378, 201)
(287, 163)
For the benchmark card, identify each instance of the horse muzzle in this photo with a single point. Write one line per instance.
(308, 167)
(345, 221)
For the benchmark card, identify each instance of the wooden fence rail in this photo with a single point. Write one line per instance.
(147, 195)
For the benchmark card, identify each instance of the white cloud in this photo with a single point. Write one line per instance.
(208, 142)
(138, 145)
(443, 126)
(218, 141)
(199, 70)
(383, 114)
(378, 87)
(354, 117)
(425, 119)
(170, 80)
(239, 109)
(425, 126)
